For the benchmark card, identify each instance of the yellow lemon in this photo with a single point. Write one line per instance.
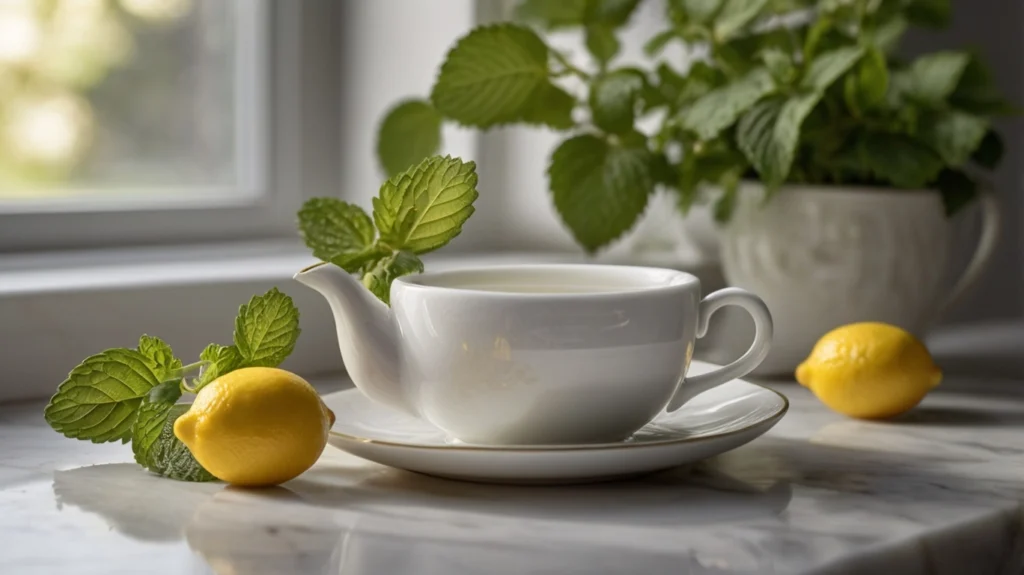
(256, 426)
(869, 370)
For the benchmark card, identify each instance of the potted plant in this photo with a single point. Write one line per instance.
(831, 163)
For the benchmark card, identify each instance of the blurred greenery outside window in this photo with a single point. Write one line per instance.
(117, 97)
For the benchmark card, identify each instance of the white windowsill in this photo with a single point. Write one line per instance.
(134, 268)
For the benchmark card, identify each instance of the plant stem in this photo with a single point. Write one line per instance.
(662, 137)
(185, 387)
(192, 366)
(568, 66)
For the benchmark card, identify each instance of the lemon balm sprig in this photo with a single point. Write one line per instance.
(416, 212)
(132, 394)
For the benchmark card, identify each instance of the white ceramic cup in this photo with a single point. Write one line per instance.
(534, 354)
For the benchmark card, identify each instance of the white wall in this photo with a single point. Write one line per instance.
(391, 50)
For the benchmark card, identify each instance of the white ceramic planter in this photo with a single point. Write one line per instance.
(822, 257)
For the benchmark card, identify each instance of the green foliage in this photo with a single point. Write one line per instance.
(162, 355)
(769, 133)
(158, 450)
(824, 101)
(266, 329)
(422, 209)
(132, 394)
(417, 211)
(220, 360)
(933, 77)
(99, 399)
(866, 86)
(378, 278)
(827, 67)
(492, 77)
(719, 109)
(410, 131)
(734, 16)
(613, 100)
(599, 188)
(557, 14)
(337, 232)
(602, 43)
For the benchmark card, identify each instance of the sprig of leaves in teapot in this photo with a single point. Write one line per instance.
(416, 211)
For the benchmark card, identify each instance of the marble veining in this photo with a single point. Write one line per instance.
(939, 491)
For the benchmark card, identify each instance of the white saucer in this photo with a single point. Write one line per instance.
(714, 422)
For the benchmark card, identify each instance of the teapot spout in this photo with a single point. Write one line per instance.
(366, 334)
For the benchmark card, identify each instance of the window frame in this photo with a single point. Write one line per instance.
(292, 152)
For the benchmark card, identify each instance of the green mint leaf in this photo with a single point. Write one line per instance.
(769, 132)
(162, 355)
(735, 15)
(689, 182)
(720, 108)
(99, 399)
(663, 172)
(147, 428)
(976, 92)
(601, 42)
(613, 99)
(599, 189)
(657, 43)
(700, 79)
(896, 95)
(827, 67)
(655, 95)
(887, 35)
(167, 392)
(266, 329)
(929, 13)
(899, 159)
(570, 13)
(678, 90)
(710, 166)
(158, 450)
(410, 132)
(957, 189)
(698, 11)
(816, 33)
(867, 86)
(553, 15)
(222, 359)
(489, 78)
(379, 276)
(337, 232)
(423, 208)
(933, 77)
(550, 106)
(954, 135)
(613, 12)
(989, 152)
(780, 64)
(726, 203)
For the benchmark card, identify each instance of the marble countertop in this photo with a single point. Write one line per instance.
(939, 491)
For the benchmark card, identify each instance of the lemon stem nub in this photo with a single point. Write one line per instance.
(185, 429)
